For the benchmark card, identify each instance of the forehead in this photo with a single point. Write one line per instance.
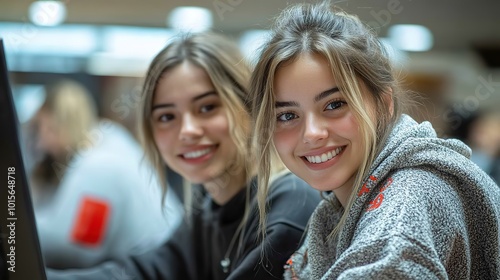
(307, 74)
(182, 82)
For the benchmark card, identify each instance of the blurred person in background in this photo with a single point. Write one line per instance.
(484, 139)
(95, 197)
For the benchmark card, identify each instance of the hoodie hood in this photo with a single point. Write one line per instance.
(402, 207)
(414, 145)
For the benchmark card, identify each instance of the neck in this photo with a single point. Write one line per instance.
(344, 192)
(225, 187)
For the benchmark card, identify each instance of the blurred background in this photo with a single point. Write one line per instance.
(448, 51)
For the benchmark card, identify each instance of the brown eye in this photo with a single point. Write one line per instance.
(165, 117)
(207, 108)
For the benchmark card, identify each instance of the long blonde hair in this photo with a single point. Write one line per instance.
(74, 112)
(357, 59)
(221, 59)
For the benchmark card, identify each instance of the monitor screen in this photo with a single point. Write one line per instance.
(20, 249)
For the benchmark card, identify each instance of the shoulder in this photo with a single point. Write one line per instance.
(419, 184)
(414, 189)
(287, 186)
(412, 202)
(291, 200)
(107, 163)
(105, 172)
(113, 148)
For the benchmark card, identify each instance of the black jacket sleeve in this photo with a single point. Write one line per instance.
(291, 202)
(166, 262)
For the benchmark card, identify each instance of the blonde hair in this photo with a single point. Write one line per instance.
(74, 112)
(357, 59)
(220, 58)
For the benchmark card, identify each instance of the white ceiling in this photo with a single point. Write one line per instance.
(456, 24)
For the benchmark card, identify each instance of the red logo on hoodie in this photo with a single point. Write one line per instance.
(374, 204)
(364, 189)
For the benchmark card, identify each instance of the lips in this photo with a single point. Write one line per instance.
(324, 157)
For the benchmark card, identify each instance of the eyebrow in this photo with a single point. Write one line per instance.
(279, 104)
(325, 94)
(317, 98)
(198, 97)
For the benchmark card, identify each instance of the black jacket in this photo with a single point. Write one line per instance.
(197, 248)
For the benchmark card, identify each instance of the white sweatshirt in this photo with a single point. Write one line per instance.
(108, 204)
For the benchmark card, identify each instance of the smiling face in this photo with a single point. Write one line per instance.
(190, 125)
(317, 136)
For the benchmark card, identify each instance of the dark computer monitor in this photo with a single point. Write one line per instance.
(19, 247)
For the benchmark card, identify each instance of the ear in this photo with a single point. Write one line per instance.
(387, 95)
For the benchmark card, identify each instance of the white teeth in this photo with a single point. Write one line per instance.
(324, 157)
(197, 154)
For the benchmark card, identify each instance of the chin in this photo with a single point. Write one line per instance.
(321, 187)
(203, 178)
(321, 184)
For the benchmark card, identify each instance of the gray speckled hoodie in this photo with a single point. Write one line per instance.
(426, 212)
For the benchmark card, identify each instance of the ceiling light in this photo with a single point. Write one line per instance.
(190, 19)
(47, 13)
(130, 41)
(250, 44)
(65, 40)
(411, 37)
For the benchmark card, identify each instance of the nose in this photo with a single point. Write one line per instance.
(315, 130)
(191, 128)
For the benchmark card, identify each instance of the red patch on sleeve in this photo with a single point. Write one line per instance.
(91, 222)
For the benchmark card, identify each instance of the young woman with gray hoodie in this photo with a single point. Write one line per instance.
(400, 202)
